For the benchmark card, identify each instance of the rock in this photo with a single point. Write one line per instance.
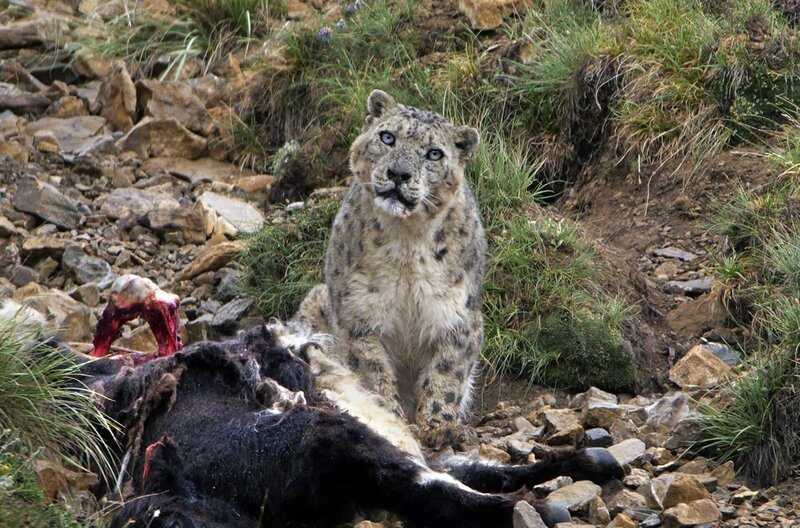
(561, 427)
(636, 478)
(258, 185)
(211, 257)
(690, 288)
(200, 329)
(194, 171)
(46, 141)
(84, 268)
(675, 253)
(488, 452)
(189, 222)
(22, 275)
(487, 14)
(66, 107)
(88, 294)
(728, 513)
(624, 429)
(724, 353)
(131, 201)
(628, 451)
(239, 215)
(697, 315)
(72, 134)
(230, 314)
(526, 516)
(46, 202)
(21, 35)
(575, 497)
(173, 100)
(724, 473)
(597, 513)
(140, 339)
(554, 484)
(592, 395)
(600, 414)
(743, 495)
(116, 100)
(597, 437)
(168, 138)
(660, 456)
(622, 521)
(618, 498)
(700, 367)
(39, 247)
(45, 268)
(64, 314)
(369, 524)
(664, 414)
(698, 512)
(671, 489)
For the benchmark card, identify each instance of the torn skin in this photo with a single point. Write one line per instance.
(148, 455)
(131, 297)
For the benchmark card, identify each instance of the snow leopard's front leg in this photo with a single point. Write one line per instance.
(445, 387)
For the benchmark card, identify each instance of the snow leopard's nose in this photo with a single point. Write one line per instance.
(397, 175)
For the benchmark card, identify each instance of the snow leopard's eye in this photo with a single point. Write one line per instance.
(387, 138)
(434, 154)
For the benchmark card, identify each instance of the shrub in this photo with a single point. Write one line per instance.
(283, 261)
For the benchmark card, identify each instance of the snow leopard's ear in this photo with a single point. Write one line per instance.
(379, 102)
(466, 140)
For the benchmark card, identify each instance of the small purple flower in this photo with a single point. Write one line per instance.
(340, 24)
(325, 34)
(351, 8)
(357, 4)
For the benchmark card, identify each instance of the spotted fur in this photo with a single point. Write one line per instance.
(405, 265)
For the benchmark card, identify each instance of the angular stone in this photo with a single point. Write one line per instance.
(526, 516)
(200, 329)
(724, 473)
(64, 314)
(73, 133)
(597, 437)
(697, 315)
(488, 452)
(38, 247)
(173, 100)
(167, 138)
(598, 413)
(140, 339)
(636, 478)
(46, 202)
(675, 253)
(622, 521)
(562, 427)
(593, 395)
(618, 498)
(46, 141)
(597, 513)
(551, 485)
(724, 353)
(665, 413)
(575, 497)
(700, 367)
(671, 489)
(240, 215)
(22, 275)
(211, 257)
(230, 314)
(132, 201)
(628, 451)
(698, 512)
(116, 100)
(66, 107)
(195, 171)
(691, 288)
(624, 429)
(189, 222)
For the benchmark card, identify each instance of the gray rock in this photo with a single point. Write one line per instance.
(200, 329)
(673, 252)
(725, 353)
(9, 255)
(526, 516)
(551, 485)
(46, 202)
(22, 275)
(597, 437)
(691, 288)
(628, 451)
(132, 201)
(86, 269)
(72, 133)
(227, 316)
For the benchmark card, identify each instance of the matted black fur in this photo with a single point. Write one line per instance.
(220, 455)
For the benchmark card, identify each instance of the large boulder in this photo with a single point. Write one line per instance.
(671, 489)
(238, 215)
(173, 100)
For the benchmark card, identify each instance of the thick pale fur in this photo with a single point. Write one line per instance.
(405, 265)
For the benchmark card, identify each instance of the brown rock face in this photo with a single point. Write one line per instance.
(116, 100)
(562, 426)
(164, 100)
(671, 489)
(699, 368)
(152, 138)
(698, 512)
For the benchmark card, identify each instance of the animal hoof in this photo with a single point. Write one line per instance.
(553, 514)
(600, 465)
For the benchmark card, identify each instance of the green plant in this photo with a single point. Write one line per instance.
(282, 262)
(45, 405)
